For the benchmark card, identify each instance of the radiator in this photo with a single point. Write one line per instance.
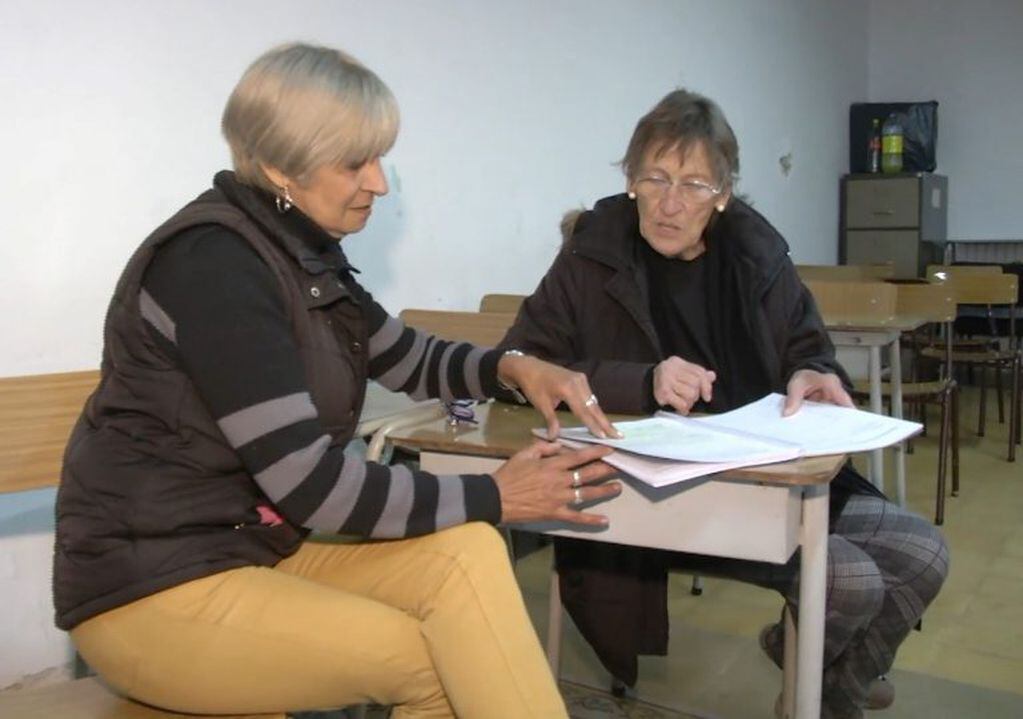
(999, 252)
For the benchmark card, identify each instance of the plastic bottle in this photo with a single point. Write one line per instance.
(874, 147)
(891, 145)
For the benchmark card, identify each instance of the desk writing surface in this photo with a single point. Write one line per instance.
(867, 323)
(504, 429)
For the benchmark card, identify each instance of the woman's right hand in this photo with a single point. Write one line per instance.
(543, 482)
(679, 384)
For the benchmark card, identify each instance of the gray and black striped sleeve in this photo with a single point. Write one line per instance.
(404, 359)
(214, 307)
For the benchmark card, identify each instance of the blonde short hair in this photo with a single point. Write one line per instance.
(300, 107)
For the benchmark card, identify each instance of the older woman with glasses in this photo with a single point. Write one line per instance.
(237, 349)
(679, 295)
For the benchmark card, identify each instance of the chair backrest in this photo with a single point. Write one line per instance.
(485, 329)
(931, 302)
(37, 413)
(501, 303)
(847, 301)
(845, 272)
(973, 286)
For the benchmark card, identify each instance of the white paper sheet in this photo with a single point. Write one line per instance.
(818, 428)
(684, 440)
(664, 472)
(669, 448)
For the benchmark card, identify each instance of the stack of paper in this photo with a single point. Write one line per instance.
(669, 448)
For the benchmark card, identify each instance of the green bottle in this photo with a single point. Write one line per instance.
(891, 145)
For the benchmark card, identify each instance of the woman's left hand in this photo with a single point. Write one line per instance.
(817, 386)
(545, 385)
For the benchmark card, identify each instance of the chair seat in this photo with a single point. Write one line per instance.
(909, 389)
(88, 699)
(970, 357)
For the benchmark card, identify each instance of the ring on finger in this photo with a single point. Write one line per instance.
(577, 478)
(591, 400)
(578, 496)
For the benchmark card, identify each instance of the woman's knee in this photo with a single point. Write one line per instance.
(475, 541)
(926, 556)
(856, 587)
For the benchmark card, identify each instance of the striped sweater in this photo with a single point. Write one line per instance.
(212, 304)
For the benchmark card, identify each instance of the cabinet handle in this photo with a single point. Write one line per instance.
(888, 213)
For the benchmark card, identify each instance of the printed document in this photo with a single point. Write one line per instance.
(669, 448)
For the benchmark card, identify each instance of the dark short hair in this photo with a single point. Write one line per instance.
(675, 123)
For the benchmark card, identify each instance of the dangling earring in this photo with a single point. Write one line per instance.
(632, 195)
(283, 200)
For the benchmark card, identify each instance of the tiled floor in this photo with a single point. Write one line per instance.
(967, 661)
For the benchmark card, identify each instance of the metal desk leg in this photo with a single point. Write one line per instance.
(788, 684)
(813, 571)
(876, 456)
(895, 362)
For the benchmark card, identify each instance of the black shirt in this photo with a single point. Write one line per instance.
(678, 306)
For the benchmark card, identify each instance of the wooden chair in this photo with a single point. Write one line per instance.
(846, 301)
(953, 275)
(485, 329)
(936, 304)
(844, 273)
(37, 413)
(991, 290)
(501, 303)
(862, 315)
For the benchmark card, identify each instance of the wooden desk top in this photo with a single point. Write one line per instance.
(867, 323)
(504, 429)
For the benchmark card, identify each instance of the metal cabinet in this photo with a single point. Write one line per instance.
(889, 218)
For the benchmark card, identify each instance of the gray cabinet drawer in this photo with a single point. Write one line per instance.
(870, 247)
(883, 203)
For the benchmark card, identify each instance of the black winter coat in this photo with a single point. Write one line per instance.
(591, 312)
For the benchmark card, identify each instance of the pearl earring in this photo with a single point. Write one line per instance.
(632, 195)
(283, 200)
(721, 207)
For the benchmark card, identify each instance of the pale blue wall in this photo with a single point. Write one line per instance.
(512, 113)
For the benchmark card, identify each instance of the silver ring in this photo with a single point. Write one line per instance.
(591, 400)
(577, 478)
(578, 496)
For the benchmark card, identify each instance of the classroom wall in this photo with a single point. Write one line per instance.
(512, 113)
(968, 57)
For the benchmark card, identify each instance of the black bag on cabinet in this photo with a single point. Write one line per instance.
(919, 129)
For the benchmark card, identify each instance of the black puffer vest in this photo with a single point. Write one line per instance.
(152, 495)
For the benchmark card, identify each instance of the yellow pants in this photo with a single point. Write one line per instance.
(434, 625)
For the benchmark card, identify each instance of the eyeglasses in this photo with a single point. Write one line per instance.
(654, 187)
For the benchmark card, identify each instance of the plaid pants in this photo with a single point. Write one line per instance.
(885, 566)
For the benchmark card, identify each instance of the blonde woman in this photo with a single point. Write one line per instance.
(237, 349)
